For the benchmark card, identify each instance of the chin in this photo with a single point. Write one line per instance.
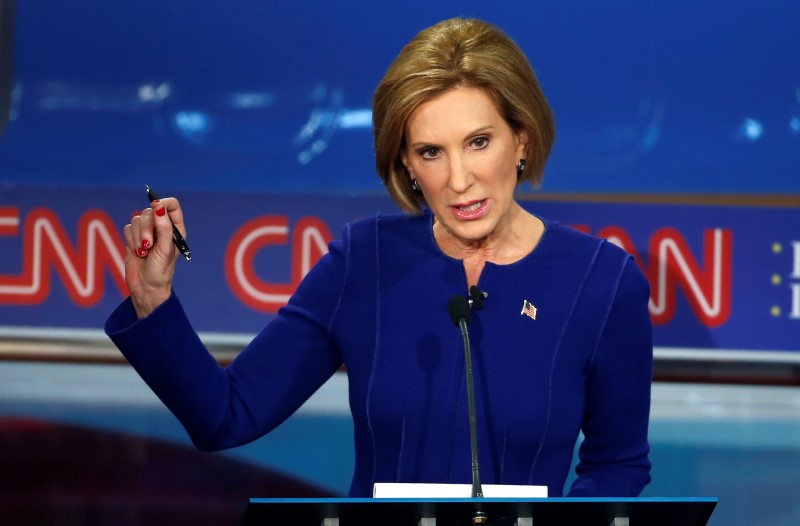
(474, 230)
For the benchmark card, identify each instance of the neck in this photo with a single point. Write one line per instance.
(511, 241)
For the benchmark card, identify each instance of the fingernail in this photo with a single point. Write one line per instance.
(145, 243)
(161, 211)
(141, 252)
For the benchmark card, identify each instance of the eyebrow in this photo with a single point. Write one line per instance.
(470, 134)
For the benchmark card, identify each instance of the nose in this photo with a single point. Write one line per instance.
(461, 176)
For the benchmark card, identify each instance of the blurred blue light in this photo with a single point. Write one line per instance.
(751, 129)
(359, 118)
(153, 93)
(794, 125)
(192, 124)
(251, 100)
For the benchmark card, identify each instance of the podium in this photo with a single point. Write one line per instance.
(499, 512)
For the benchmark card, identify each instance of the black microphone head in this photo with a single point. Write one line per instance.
(459, 308)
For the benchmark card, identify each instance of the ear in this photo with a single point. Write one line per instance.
(522, 144)
(404, 160)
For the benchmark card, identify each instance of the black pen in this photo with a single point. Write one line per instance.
(177, 238)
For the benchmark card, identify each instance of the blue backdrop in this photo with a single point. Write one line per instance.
(661, 96)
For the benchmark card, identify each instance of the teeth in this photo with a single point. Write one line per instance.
(470, 208)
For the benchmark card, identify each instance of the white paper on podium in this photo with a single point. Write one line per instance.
(391, 490)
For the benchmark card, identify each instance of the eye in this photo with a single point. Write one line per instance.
(429, 152)
(480, 142)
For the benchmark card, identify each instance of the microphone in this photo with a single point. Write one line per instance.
(460, 310)
(477, 296)
(461, 314)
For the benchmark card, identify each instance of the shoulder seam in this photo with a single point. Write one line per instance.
(626, 258)
(347, 248)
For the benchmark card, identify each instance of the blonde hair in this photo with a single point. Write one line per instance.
(452, 53)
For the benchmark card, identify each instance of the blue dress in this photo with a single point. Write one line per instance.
(377, 303)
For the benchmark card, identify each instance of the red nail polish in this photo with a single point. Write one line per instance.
(161, 211)
(145, 243)
(141, 252)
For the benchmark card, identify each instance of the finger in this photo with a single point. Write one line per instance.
(132, 259)
(133, 265)
(146, 231)
(127, 233)
(163, 231)
(132, 247)
(135, 234)
(175, 213)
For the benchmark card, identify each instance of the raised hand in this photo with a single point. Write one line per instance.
(150, 255)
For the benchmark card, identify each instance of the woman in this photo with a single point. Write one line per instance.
(563, 344)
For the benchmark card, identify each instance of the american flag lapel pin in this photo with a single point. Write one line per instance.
(528, 309)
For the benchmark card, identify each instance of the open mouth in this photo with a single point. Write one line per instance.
(471, 210)
(472, 207)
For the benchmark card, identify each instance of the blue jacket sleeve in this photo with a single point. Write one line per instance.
(613, 458)
(226, 407)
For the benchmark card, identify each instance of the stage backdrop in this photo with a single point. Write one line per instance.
(722, 277)
(257, 115)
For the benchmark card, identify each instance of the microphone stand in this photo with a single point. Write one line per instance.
(477, 491)
(461, 314)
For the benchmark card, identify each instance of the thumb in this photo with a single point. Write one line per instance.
(163, 230)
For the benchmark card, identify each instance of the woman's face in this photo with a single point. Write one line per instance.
(464, 157)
